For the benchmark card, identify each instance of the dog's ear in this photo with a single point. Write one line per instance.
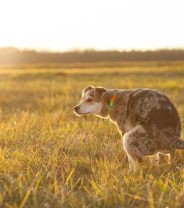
(86, 89)
(99, 92)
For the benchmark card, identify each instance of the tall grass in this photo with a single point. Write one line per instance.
(51, 158)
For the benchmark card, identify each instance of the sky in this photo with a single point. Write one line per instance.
(62, 25)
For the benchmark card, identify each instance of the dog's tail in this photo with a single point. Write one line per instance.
(179, 144)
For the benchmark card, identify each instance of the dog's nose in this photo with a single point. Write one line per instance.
(76, 108)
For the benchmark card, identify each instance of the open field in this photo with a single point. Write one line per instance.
(51, 158)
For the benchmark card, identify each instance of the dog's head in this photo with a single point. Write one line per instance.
(92, 101)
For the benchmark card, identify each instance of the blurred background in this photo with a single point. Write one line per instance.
(60, 31)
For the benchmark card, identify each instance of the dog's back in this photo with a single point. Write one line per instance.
(156, 113)
(153, 109)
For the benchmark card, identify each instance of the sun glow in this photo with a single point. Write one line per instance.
(104, 24)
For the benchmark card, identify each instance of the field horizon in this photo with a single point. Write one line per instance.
(51, 158)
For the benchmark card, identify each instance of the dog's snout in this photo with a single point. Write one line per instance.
(76, 108)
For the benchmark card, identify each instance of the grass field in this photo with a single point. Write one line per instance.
(51, 158)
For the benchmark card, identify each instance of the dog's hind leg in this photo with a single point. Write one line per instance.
(136, 145)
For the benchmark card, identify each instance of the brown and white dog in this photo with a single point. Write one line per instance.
(146, 119)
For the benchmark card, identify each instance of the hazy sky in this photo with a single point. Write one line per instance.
(99, 24)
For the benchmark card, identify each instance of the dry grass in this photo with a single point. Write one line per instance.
(51, 158)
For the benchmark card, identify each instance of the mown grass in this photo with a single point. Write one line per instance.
(51, 158)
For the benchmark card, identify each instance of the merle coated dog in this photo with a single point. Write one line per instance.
(146, 119)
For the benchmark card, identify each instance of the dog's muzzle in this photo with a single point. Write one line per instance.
(76, 108)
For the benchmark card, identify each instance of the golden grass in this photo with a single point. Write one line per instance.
(51, 158)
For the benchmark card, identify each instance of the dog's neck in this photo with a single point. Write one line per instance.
(109, 102)
(117, 113)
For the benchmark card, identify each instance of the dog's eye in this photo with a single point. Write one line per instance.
(89, 100)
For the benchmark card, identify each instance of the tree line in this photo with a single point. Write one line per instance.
(15, 56)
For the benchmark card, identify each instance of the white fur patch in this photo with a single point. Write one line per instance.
(90, 108)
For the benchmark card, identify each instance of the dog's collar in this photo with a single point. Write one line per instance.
(111, 103)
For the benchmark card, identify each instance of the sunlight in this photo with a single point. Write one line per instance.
(65, 25)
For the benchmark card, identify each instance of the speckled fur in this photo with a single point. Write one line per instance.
(146, 119)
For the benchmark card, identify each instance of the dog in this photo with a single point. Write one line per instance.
(146, 119)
